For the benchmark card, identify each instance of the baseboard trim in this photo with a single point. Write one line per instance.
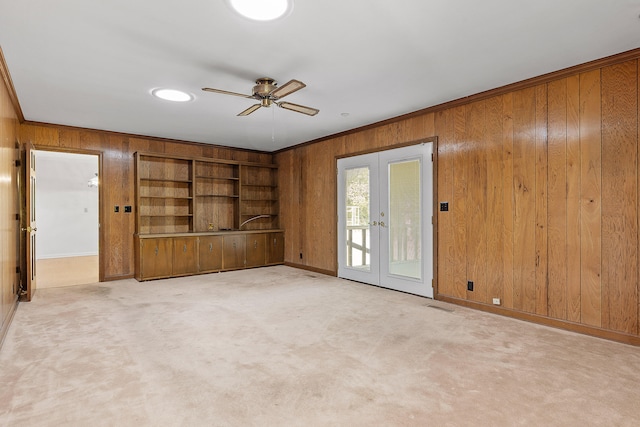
(117, 277)
(546, 321)
(314, 269)
(8, 320)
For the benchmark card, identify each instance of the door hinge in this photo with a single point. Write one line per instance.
(17, 217)
(432, 157)
(18, 269)
(17, 163)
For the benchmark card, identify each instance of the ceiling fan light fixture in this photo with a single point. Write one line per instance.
(171, 95)
(262, 10)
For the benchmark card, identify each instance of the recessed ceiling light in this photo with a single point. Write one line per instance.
(172, 95)
(262, 10)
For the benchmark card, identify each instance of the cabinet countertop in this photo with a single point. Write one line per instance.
(207, 233)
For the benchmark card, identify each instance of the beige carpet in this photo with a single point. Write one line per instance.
(279, 346)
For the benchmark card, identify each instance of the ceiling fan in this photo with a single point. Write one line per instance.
(267, 92)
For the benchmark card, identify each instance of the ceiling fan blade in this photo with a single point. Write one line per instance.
(286, 89)
(299, 108)
(225, 92)
(250, 110)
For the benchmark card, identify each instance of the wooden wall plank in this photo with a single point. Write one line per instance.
(573, 199)
(508, 200)
(459, 203)
(557, 199)
(590, 197)
(541, 200)
(476, 202)
(620, 197)
(495, 199)
(524, 294)
(444, 128)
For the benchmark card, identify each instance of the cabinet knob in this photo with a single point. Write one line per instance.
(210, 247)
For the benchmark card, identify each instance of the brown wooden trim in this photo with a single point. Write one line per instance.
(8, 319)
(6, 77)
(523, 84)
(387, 147)
(117, 277)
(546, 321)
(137, 136)
(308, 268)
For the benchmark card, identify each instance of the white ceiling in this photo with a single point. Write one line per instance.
(93, 63)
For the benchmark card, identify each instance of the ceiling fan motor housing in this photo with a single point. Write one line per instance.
(264, 87)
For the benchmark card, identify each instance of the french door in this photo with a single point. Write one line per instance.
(385, 207)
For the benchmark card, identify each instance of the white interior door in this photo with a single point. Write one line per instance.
(385, 208)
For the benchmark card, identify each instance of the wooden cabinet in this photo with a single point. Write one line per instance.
(275, 248)
(256, 250)
(210, 253)
(196, 215)
(185, 259)
(233, 251)
(171, 255)
(155, 258)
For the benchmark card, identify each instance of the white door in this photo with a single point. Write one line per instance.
(385, 235)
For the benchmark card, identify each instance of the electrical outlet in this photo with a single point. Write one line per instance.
(444, 206)
(496, 301)
(470, 286)
(116, 208)
(127, 209)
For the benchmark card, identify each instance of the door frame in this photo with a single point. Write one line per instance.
(434, 154)
(101, 230)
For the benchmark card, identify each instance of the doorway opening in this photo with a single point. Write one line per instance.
(67, 214)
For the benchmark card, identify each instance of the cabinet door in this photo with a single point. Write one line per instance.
(155, 258)
(256, 251)
(210, 253)
(233, 251)
(185, 260)
(275, 248)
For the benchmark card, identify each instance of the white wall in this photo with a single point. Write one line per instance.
(66, 207)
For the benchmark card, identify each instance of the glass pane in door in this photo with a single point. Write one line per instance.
(404, 219)
(358, 238)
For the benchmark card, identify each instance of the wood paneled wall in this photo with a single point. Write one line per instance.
(542, 183)
(9, 226)
(117, 184)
